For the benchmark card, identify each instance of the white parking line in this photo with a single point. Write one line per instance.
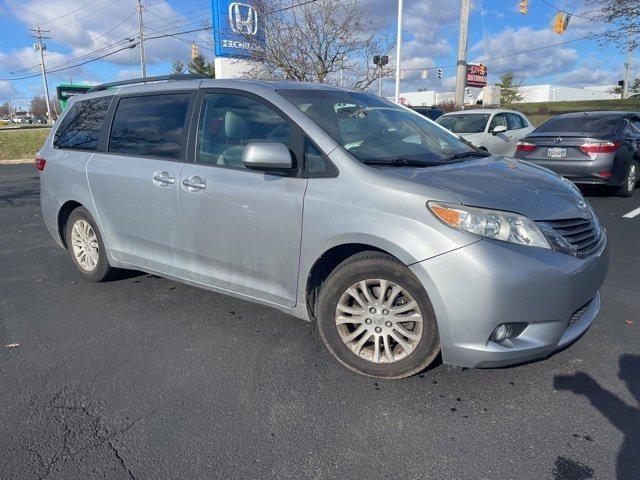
(632, 213)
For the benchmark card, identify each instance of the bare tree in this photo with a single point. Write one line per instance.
(327, 41)
(38, 106)
(623, 19)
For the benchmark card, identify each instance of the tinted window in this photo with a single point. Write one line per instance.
(80, 127)
(150, 125)
(464, 123)
(229, 122)
(584, 124)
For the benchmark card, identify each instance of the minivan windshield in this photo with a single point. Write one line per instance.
(464, 123)
(377, 131)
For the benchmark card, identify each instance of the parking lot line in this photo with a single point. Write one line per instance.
(632, 213)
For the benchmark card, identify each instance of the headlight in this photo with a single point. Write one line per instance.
(504, 226)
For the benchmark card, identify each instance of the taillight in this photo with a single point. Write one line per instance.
(525, 147)
(40, 163)
(593, 148)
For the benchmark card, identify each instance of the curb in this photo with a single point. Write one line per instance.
(16, 161)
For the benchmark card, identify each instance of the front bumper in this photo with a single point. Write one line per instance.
(477, 287)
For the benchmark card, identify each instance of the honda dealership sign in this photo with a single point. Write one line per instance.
(237, 28)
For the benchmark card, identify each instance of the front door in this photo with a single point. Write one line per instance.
(500, 143)
(241, 229)
(135, 184)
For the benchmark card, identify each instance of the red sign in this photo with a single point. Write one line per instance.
(476, 75)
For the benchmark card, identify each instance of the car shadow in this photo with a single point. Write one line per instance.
(623, 416)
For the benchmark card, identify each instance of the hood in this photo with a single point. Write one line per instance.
(504, 184)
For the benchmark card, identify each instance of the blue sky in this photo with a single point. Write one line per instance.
(431, 30)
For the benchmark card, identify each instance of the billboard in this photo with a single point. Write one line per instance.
(476, 75)
(237, 28)
(66, 91)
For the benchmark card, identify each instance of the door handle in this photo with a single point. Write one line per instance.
(194, 183)
(163, 179)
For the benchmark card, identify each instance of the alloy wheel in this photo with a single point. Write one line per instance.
(84, 243)
(379, 320)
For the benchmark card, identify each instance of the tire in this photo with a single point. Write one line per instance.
(368, 269)
(94, 266)
(630, 179)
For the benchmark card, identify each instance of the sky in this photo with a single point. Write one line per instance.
(496, 29)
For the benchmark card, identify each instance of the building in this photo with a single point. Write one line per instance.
(530, 93)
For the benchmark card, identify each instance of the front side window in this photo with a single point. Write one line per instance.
(150, 125)
(229, 122)
(499, 119)
(80, 127)
(375, 130)
(464, 123)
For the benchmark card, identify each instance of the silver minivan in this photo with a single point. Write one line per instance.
(400, 240)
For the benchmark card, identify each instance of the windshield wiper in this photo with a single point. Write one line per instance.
(401, 162)
(474, 153)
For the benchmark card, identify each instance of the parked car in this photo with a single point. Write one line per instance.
(335, 206)
(431, 113)
(601, 148)
(494, 130)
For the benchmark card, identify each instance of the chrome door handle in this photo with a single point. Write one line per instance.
(194, 183)
(163, 179)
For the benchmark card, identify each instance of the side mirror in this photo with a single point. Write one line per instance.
(498, 129)
(267, 156)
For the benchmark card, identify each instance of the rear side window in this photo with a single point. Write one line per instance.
(584, 124)
(150, 126)
(515, 121)
(80, 127)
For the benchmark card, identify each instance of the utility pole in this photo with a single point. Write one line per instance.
(461, 69)
(627, 72)
(143, 60)
(399, 51)
(41, 47)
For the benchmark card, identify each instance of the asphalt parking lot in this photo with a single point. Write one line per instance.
(142, 377)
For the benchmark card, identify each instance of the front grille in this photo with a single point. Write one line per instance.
(577, 315)
(583, 234)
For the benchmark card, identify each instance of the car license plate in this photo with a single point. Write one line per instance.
(556, 152)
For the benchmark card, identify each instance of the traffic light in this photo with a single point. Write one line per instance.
(524, 6)
(380, 60)
(560, 23)
(439, 73)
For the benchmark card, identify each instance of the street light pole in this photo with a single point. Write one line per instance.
(627, 72)
(143, 60)
(461, 68)
(399, 51)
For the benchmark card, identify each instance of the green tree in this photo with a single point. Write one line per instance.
(199, 66)
(177, 67)
(509, 88)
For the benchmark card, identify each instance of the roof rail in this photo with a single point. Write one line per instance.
(133, 81)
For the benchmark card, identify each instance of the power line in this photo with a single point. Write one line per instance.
(51, 22)
(567, 13)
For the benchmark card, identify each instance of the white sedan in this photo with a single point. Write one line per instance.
(495, 130)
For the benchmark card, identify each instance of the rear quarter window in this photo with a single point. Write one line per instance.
(80, 128)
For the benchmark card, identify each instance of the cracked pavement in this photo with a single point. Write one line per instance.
(146, 378)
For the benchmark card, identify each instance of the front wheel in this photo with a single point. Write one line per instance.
(86, 247)
(629, 185)
(376, 319)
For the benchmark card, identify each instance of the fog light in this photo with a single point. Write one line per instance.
(507, 330)
(501, 332)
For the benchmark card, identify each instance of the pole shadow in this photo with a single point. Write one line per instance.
(623, 416)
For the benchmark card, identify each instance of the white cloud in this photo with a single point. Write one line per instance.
(529, 65)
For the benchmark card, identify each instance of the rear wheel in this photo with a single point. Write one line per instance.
(86, 247)
(630, 180)
(376, 319)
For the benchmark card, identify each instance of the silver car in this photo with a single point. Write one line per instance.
(495, 130)
(335, 206)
